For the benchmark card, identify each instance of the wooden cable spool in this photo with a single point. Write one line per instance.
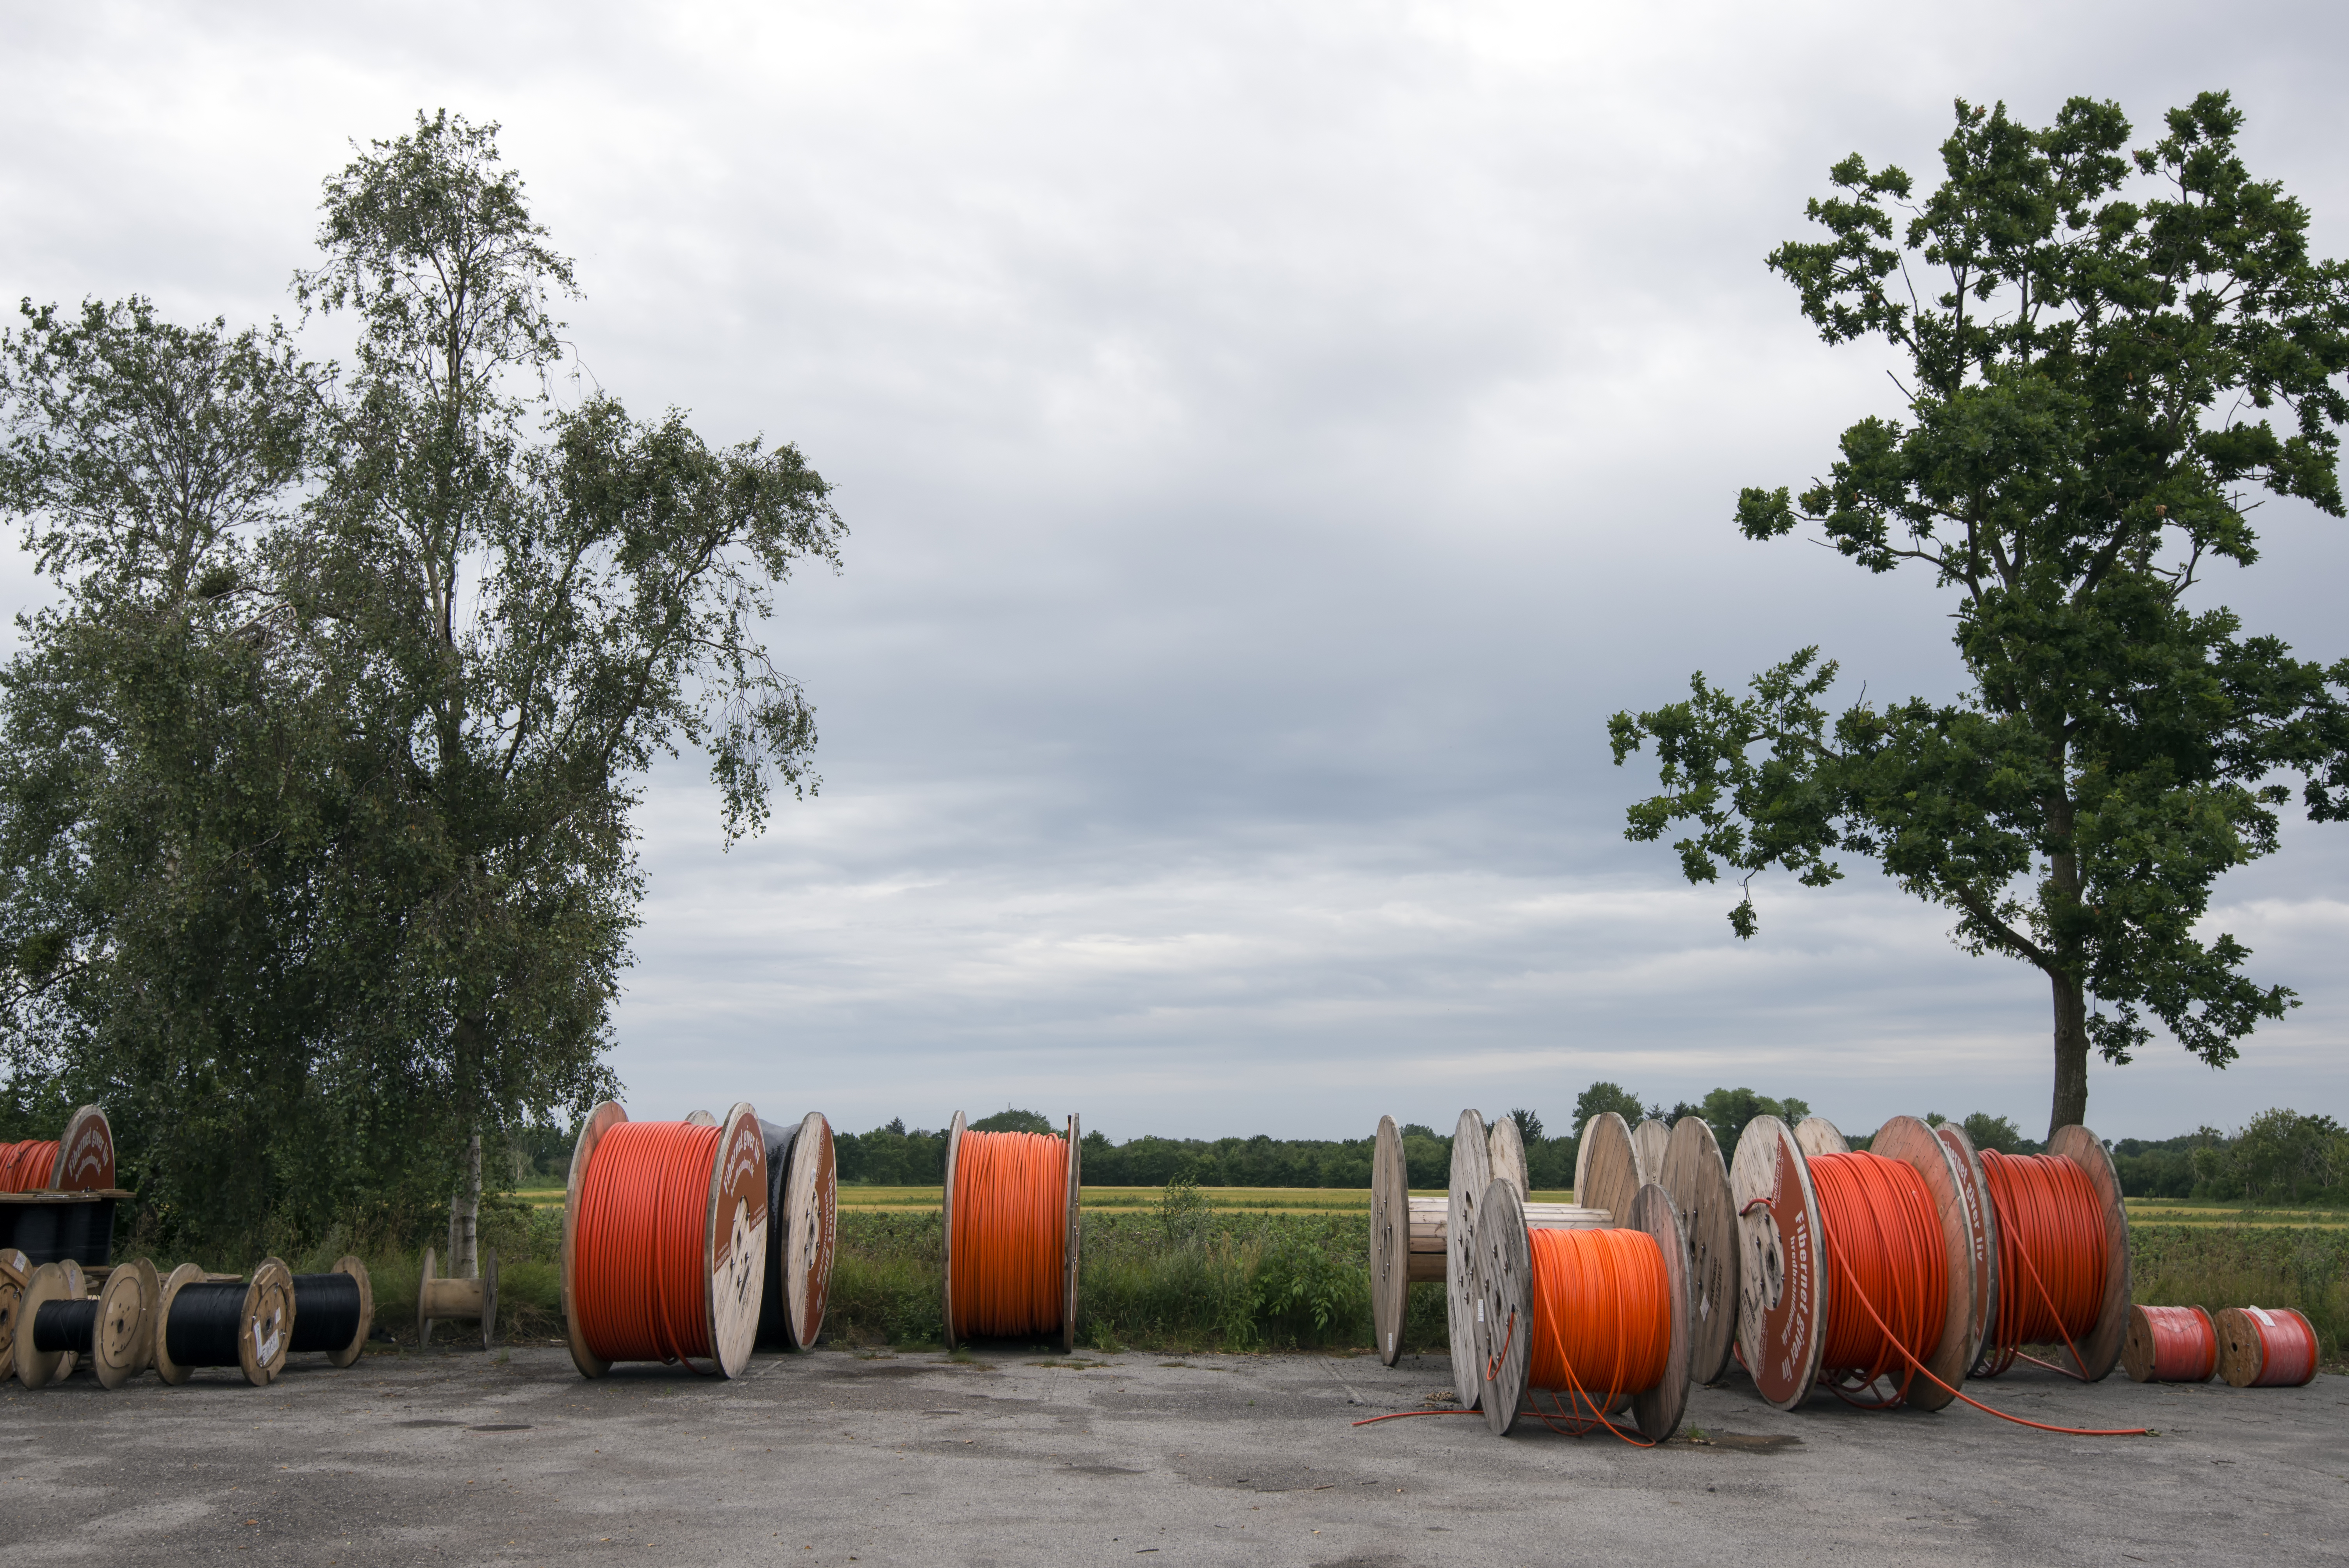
(1606, 1169)
(264, 1322)
(2101, 1351)
(1981, 1219)
(955, 1334)
(345, 1353)
(2195, 1357)
(120, 1333)
(2266, 1347)
(72, 1215)
(1649, 1139)
(1697, 1177)
(1505, 1153)
(1784, 1276)
(16, 1273)
(1501, 1321)
(803, 1231)
(440, 1296)
(733, 1242)
(1472, 1176)
(1818, 1135)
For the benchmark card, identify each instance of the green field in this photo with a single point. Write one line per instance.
(1223, 1200)
(2209, 1211)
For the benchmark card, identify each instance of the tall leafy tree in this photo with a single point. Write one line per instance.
(521, 624)
(2111, 353)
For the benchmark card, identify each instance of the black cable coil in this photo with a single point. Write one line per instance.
(206, 1323)
(325, 1311)
(65, 1326)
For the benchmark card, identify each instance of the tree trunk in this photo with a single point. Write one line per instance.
(465, 1217)
(2071, 1053)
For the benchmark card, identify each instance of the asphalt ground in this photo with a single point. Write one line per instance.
(1018, 1457)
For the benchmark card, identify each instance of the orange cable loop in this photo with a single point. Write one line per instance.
(1010, 1247)
(2051, 1258)
(2185, 1345)
(642, 1259)
(27, 1167)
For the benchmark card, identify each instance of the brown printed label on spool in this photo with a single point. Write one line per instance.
(86, 1155)
(1786, 1322)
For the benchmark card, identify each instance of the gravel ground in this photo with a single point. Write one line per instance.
(1015, 1458)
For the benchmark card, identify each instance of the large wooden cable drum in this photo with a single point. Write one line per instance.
(1697, 1178)
(1391, 1240)
(1504, 1155)
(248, 1323)
(443, 1298)
(2059, 1217)
(334, 1311)
(1513, 1321)
(1010, 1227)
(1607, 1165)
(1787, 1282)
(1649, 1139)
(1818, 1135)
(1471, 1174)
(803, 1230)
(664, 1241)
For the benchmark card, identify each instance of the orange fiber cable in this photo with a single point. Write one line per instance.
(642, 1258)
(1602, 1322)
(1010, 1246)
(26, 1167)
(2052, 1257)
(2185, 1345)
(1890, 1266)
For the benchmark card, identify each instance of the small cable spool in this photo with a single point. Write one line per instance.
(803, 1231)
(1697, 1177)
(442, 1296)
(114, 1332)
(2170, 1345)
(333, 1311)
(1527, 1315)
(665, 1240)
(989, 1212)
(1409, 1236)
(207, 1321)
(2266, 1347)
(2063, 1241)
(1788, 1288)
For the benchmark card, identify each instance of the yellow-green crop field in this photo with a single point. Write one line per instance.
(1115, 1200)
(2205, 1211)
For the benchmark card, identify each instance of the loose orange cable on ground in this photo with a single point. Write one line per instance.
(1009, 1251)
(1893, 1267)
(2052, 1257)
(27, 1167)
(644, 1212)
(2185, 1345)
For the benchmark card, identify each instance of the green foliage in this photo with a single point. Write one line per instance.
(2118, 347)
(1013, 1121)
(1728, 1110)
(1987, 1131)
(1601, 1097)
(2279, 1157)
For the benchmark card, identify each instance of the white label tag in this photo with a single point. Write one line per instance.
(1480, 1309)
(2262, 1314)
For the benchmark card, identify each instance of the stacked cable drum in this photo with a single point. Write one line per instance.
(57, 1199)
(2059, 1244)
(1854, 1269)
(664, 1241)
(803, 1231)
(1410, 1237)
(1010, 1230)
(1595, 1318)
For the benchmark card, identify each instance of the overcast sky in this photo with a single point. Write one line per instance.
(1275, 436)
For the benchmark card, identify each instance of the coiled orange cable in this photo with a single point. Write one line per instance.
(1889, 1302)
(2051, 1258)
(641, 1242)
(1010, 1248)
(1602, 1322)
(2185, 1345)
(27, 1167)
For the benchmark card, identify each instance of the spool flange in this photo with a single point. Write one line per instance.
(1698, 1179)
(1389, 1240)
(1471, 1175)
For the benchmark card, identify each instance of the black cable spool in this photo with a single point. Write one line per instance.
(207, 1319)
(325, 1311)
(52, 1230)
(66, 1325)
(775, 1312)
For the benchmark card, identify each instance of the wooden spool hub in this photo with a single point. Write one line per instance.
(1391, 1240)
(803, 1231)
(2101, 1351)
(1698, 1179)
(2245, 1333)
(440, 1296)
(120, 1336)
(1649, 1141)
(733, 1242)
(2140, 1358)
(1982, 1235)
(1472, 1174)
(1068, 1258)
(1504, 1154)
(16, 1273)
(1818, 1135)
(1607, 1166)
(1503, 1318)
